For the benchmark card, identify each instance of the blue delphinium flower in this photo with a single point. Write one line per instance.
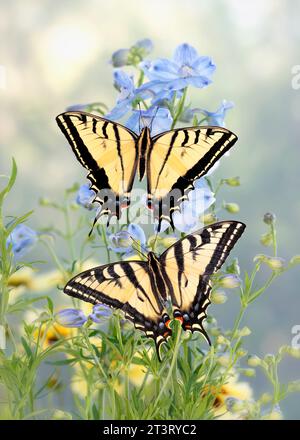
(124, 83)
(85, 196)
(188, 218)
(123, 241)
(100, 313)
(211, 118)
(157, 119)
(133, 55)
(22, 239)
(186, 68)
(70, 318)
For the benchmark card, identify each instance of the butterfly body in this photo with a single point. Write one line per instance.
(181, 275)
(171, 161)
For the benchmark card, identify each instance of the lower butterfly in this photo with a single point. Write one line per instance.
(181, 274)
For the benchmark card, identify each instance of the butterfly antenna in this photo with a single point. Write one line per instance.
(153, 117)
(139, 247)
(94, 223)
(140, 116)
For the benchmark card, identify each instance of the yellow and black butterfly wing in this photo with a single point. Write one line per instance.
(127, 285)
(108, 151)
(176, 159)
(188, 265)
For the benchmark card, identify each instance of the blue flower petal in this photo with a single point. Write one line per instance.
(146, 45)
(85, 197)
(161, 69)
(70, 318)
(136, 232)
(158, 119)
(22, 239)
(100, 313)
(120, 58)
(185, 54)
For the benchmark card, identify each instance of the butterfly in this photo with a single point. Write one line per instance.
(114, 154)
(180, 274)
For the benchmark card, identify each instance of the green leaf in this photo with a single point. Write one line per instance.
(11, 181)
(63, 362)
(50, 305)
(26, 348)
(18, 221)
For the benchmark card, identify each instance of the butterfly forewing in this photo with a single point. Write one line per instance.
(190, 262)
(108, 151)
(127, 286)
(176, 159)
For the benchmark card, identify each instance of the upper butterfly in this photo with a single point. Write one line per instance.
(172, 160)
(181, 274)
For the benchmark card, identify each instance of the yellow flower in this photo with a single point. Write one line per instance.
(27, 279)
(232, 389)
(52, 333)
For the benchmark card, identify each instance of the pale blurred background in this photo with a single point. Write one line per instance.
(55, 54)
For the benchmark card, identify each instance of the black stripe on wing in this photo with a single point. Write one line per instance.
(87, 287)
(109, 201)
(192, 318)
(165, 207)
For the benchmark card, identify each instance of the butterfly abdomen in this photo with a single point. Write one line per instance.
(144, 142)
(159, 280)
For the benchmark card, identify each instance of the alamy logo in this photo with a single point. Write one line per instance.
(296, 338)
(296, 77)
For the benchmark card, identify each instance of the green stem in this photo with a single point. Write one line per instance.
(53, 255)
(69, 232)
(179, 108)
(95, 357)
(169, 375)
(104, 238)
(274, 239)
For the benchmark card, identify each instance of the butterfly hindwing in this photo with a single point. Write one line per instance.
(190, 262)
(108, 151)
(127, 285)
(176, 159)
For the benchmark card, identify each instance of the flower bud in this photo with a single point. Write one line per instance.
(294, 386)
(44, 201)
(241, 352)
(222, 340)
(294, 352)
(253, 361)
(232, 181)
(269, 358)
(100, 313)
(230, 281)
(269, 218)
(215, 331)
(245, 331)
(218, 297)
(224, 361)
(61, 415)
(233, 208)
(266, 239)
(265, 398)
(120, 58)
(70, 318)
(233, 267)
(295, 260)
(208, 219)
(249, 372)
(275, 263)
